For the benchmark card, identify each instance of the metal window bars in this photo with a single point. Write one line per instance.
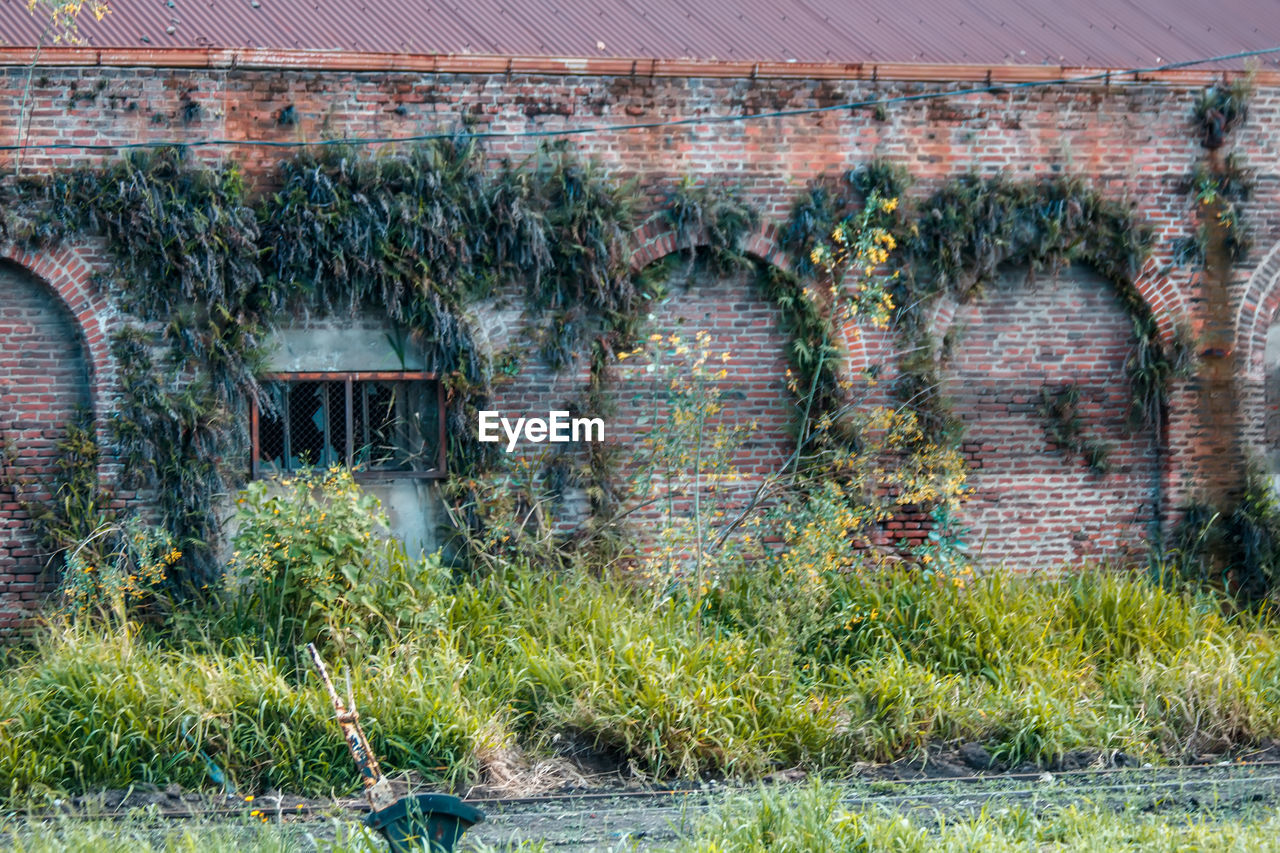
(383, 425)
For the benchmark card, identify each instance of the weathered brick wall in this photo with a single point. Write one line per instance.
(1134, 140)
(1035, 503)
(743, 340)
(45, 379)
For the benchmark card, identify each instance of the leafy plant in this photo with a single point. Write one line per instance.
(712, 215)
(1234, 548)
(1223, 226)
(1064, 426)
(177, 439)
(1220, 109)
(689, 456)
(304, 547)
(117, 570)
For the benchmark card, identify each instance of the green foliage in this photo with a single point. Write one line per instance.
(139, 833)
(846, 251)
(508, 514)
(86, 689)
(881, 178)
(348, 229)
(109, 567)
(1234, 548)
(1218, 191)
(945, 553)
(815, 819)
(186, 242)
(972, 226)
(1218, 110)
(590, 220)
(1064, 426)
(178, 439)
(828, 202)
(307, 567)
(852, 662)
(117, 570)
(686, 462)
(711, 215)
(885, 459)
(419, 235)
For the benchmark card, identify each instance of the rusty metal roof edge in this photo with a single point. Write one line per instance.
(353, 61)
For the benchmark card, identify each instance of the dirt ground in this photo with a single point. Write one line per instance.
(585, 807)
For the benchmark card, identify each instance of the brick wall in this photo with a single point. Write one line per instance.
(1133, 139)
(45, 379)
(1035, 503)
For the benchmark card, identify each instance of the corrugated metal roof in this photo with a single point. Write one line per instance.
(1081, 33)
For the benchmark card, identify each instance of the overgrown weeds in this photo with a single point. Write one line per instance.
(775, 670)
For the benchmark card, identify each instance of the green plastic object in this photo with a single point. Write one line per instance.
(426, 822)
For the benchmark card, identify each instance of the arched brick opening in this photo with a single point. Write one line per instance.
(1258, 308)
(46, 374)
(742, 324)
(1035, 503)
(67, 271)
(656, 239)
(1257, 351)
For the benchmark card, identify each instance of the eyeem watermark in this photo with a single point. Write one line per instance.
(558, 427)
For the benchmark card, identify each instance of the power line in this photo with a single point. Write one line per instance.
(590, 130)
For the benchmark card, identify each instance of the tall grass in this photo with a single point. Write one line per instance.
(841, 668)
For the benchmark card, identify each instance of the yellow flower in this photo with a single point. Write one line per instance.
(889, 205)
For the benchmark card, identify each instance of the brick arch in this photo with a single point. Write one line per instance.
(1259, 307)
(68, 274)
(656, 239)
(1162, 296)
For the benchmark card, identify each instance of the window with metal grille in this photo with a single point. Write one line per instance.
(381, 425)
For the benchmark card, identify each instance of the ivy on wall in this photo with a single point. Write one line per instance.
(957, 239)
(207, 270)
(185, 242)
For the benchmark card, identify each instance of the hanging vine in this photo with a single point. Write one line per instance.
(421, 235)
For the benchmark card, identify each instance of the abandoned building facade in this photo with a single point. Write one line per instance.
(1131, 135)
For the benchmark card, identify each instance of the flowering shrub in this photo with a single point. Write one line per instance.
(305, 549)
(117, 569)
(686, 461)
(850, 263)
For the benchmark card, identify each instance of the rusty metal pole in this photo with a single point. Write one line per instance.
(377, 787)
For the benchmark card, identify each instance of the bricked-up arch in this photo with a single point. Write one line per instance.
(45, 374)
(67, 270)
(1035, 505)
(656, 239)
(742, 323)
(1257, 351)
(1258, 310)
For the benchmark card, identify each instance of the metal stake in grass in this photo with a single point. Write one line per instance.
(434, 821)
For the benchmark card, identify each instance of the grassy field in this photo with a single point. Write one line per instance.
(765, 673)
(813, 820)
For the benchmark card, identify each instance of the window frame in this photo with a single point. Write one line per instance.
(349, 378)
